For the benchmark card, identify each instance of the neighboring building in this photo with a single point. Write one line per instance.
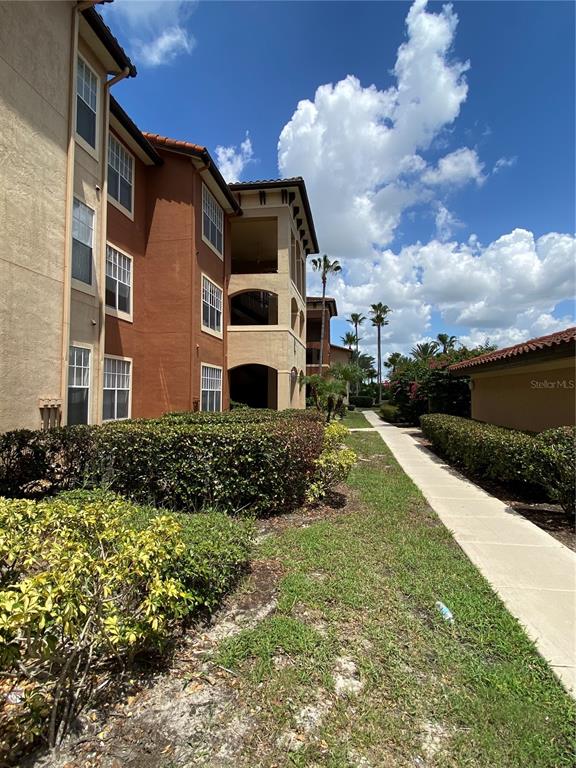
(267, 290)
(339, 354)
(314, 332)
(140, 282)
(528, 386)
(54, 66)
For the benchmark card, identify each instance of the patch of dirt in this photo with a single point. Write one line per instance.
(550, 517)
(187, 711)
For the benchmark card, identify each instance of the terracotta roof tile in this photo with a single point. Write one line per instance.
(539, 344)
(155, 138)
(289, 180)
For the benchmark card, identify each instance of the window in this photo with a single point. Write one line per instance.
(117, 375)
(118, 280)
(212, 221)
(211, 305)
(211, 388)
(86, 103)
(82, 234)
(78, 385)
(120, 172)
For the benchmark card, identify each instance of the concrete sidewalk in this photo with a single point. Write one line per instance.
(534, 574)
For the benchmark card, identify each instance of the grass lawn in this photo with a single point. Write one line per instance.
(355, 419)
(356, 668)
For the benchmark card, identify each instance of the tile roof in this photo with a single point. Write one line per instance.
(187, 147)
(289, 180)
(106, 36)
(165, 141)
(542, 343)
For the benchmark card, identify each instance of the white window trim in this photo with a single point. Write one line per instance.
(93, 151)
(204, 238)
(127, 316)
(219, 368)
(112, 200)
(206, 329)
(90, 348)
(80, 285)
(129, 360)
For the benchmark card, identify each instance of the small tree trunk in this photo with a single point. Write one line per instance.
(379, 366)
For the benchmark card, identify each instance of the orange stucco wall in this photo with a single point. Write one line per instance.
(527, 397)
(165, 340)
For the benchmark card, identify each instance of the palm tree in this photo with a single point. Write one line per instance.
(356, 318)
(380, 314)
(447, 342)
(425, 350)
(349, 340)
(326, 267)
(394, 360)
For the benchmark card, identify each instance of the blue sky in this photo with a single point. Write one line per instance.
(446, 190)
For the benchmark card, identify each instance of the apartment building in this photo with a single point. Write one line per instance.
(314, 333)
(142, 283)
(58, 62)
(267, 292)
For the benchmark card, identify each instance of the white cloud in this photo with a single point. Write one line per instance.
(456, 168)
(232, 161)
(156, 29)
(504, 162)
(360, 148)
(366, 156)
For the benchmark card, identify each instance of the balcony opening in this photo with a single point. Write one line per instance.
(314, 329)
(254, 246)
(254, 385)
(254, 308)
(294, 315)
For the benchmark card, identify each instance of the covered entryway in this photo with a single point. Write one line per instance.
(254, 385)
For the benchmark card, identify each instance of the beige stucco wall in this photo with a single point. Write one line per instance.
(34, 91)
(278, 346)
(527, 397)
(86, 316)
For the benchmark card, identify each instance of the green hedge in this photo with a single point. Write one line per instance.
(389, 413)
(243, 415)
(530, 463)
(176, 463)
(89, 578)
(361, 401)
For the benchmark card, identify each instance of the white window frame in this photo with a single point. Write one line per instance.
(206, 328)
(216, 368)
(125, 360)
(112, 200)
(207, 196)
(113, 311)
(90, 349)
(80, 285)
(94, 151)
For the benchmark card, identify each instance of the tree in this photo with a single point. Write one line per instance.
(349, 340)
(424, 351)
(446, 342)
(394, 360)
(380, 314)
(326, 267)
(356, 318)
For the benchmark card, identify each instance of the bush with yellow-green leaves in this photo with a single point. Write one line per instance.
(87, 580)
(334, 463)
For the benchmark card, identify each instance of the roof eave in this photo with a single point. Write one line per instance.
(110, 43)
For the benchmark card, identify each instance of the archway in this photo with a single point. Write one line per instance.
(254, 308)
(254, 385)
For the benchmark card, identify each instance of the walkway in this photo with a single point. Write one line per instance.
(533, 573)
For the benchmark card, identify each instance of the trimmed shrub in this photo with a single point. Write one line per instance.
(241, 415)
(543, 463)
(389, 413)
(555, 465)
(334, 463)
(236, 465)
(361, 401)
(90, 578)
(487, 451)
